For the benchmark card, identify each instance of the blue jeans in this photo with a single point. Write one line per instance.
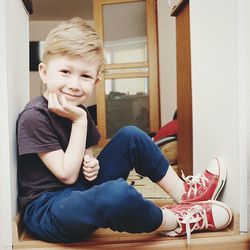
(74, 213)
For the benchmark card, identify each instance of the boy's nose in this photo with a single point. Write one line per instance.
(74, 84)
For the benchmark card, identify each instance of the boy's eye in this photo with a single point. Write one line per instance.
(86, 76)
(64, 71)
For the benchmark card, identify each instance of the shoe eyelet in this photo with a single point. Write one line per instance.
(200, 192)
(188, 197)
(194, 195)
(208, 181)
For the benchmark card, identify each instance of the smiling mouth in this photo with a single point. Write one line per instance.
(71, 95)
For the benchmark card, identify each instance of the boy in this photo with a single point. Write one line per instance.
(65, 194)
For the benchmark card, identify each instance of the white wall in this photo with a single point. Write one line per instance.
(38, 30)
(219, 80)
(13, 95)
(167, 61)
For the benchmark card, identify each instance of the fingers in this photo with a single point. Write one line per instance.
(64, 102)
(50, 101)
(91, 163)
(60, 106)
(66, 105)
(53, 102)
(90, 176)
(90, 168)
(87, 158)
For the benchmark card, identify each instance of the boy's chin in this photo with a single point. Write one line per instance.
(75, 102)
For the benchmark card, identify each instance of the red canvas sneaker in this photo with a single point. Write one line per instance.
(206, 186)
(199, 216)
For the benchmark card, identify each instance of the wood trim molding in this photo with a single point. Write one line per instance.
(100, 88)
(119, 1)
(154, 119)
(184, 92)
(178, 7)
(126, 75)
(28, 6)
(126, 65)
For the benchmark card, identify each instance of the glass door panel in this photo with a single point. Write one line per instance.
(128, 93)
(127, 103)
(125, 32)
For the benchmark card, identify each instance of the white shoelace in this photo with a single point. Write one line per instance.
(193, 216)
(194, 181)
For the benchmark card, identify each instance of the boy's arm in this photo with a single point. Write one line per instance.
(66, 165)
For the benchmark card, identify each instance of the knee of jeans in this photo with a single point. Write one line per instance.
(120, 194)
(130, 130)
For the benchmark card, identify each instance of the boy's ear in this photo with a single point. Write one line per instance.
(98, 80)
(42, 72)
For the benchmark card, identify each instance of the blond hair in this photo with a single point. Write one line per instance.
(74, 38)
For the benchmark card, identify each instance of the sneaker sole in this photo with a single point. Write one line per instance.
(222, 178)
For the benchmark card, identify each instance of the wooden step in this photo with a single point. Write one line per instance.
(228, 238)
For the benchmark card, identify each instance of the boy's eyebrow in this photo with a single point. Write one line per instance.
(83, 70)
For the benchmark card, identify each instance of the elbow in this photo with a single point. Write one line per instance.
(68, 180)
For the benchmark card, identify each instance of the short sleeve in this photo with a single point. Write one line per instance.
(35, 133)
(93, 135)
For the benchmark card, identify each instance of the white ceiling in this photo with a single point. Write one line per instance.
(61, 9)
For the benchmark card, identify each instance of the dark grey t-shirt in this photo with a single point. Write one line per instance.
(40, 130)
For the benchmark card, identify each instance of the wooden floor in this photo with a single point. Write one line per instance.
(107, 239)
(148, 189)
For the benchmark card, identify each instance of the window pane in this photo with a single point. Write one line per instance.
(127, 103)
(125, 32)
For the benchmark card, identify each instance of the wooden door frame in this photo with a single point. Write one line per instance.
(152, 65)
(184, 88)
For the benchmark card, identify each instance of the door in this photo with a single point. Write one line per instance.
(128, 93)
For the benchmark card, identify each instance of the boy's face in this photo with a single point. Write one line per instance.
(74, 78)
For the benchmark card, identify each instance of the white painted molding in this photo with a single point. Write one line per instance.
(5, 190)
(243, 80)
